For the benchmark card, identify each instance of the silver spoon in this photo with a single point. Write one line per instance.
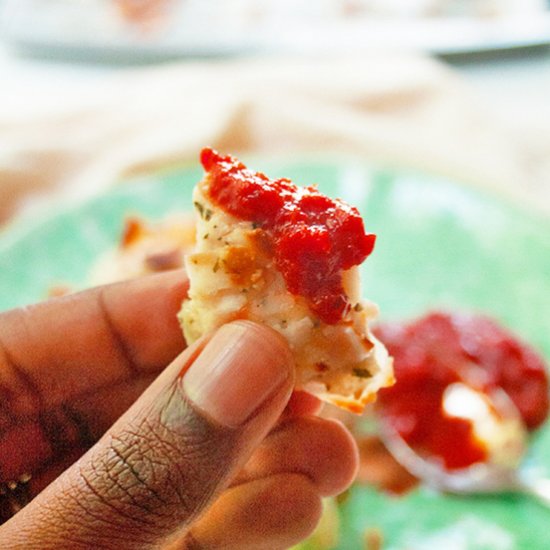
(497, 422)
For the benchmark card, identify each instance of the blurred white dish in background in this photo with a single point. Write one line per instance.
(434, 35)
(146, 13)
(472, 8)
(105, 28)
(141, 29)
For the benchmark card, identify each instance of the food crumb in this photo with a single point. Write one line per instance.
(164, 260)
(321, 367)
(361, 373)
(373, 539)
(58, 290)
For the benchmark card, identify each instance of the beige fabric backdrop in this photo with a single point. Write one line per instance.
(402, 109)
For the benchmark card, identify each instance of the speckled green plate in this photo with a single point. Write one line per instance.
(439, 244)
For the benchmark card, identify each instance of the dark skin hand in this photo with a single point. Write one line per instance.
(132, 440)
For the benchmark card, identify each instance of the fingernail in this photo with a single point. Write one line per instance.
(241, 367)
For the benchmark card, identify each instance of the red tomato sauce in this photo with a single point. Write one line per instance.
(440, 349)
(314, 237)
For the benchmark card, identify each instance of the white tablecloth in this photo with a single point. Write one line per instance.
(74, 130)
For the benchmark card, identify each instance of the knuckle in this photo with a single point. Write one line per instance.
(126, 481)
(156, 470)
(134, 470)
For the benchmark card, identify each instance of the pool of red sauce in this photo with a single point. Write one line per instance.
(314, 237)
(440, 349)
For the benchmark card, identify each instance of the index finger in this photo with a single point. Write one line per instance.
(79, 343)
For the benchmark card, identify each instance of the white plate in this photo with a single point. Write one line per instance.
(94, 29)
(437, 35)
(90, 29)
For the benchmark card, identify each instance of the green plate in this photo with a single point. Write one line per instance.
(440, 245)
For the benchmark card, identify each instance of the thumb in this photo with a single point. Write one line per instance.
(168, 457)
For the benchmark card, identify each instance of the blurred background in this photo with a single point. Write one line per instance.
(96, 89)
(98, 92)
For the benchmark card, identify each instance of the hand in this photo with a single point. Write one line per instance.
(205, 453)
